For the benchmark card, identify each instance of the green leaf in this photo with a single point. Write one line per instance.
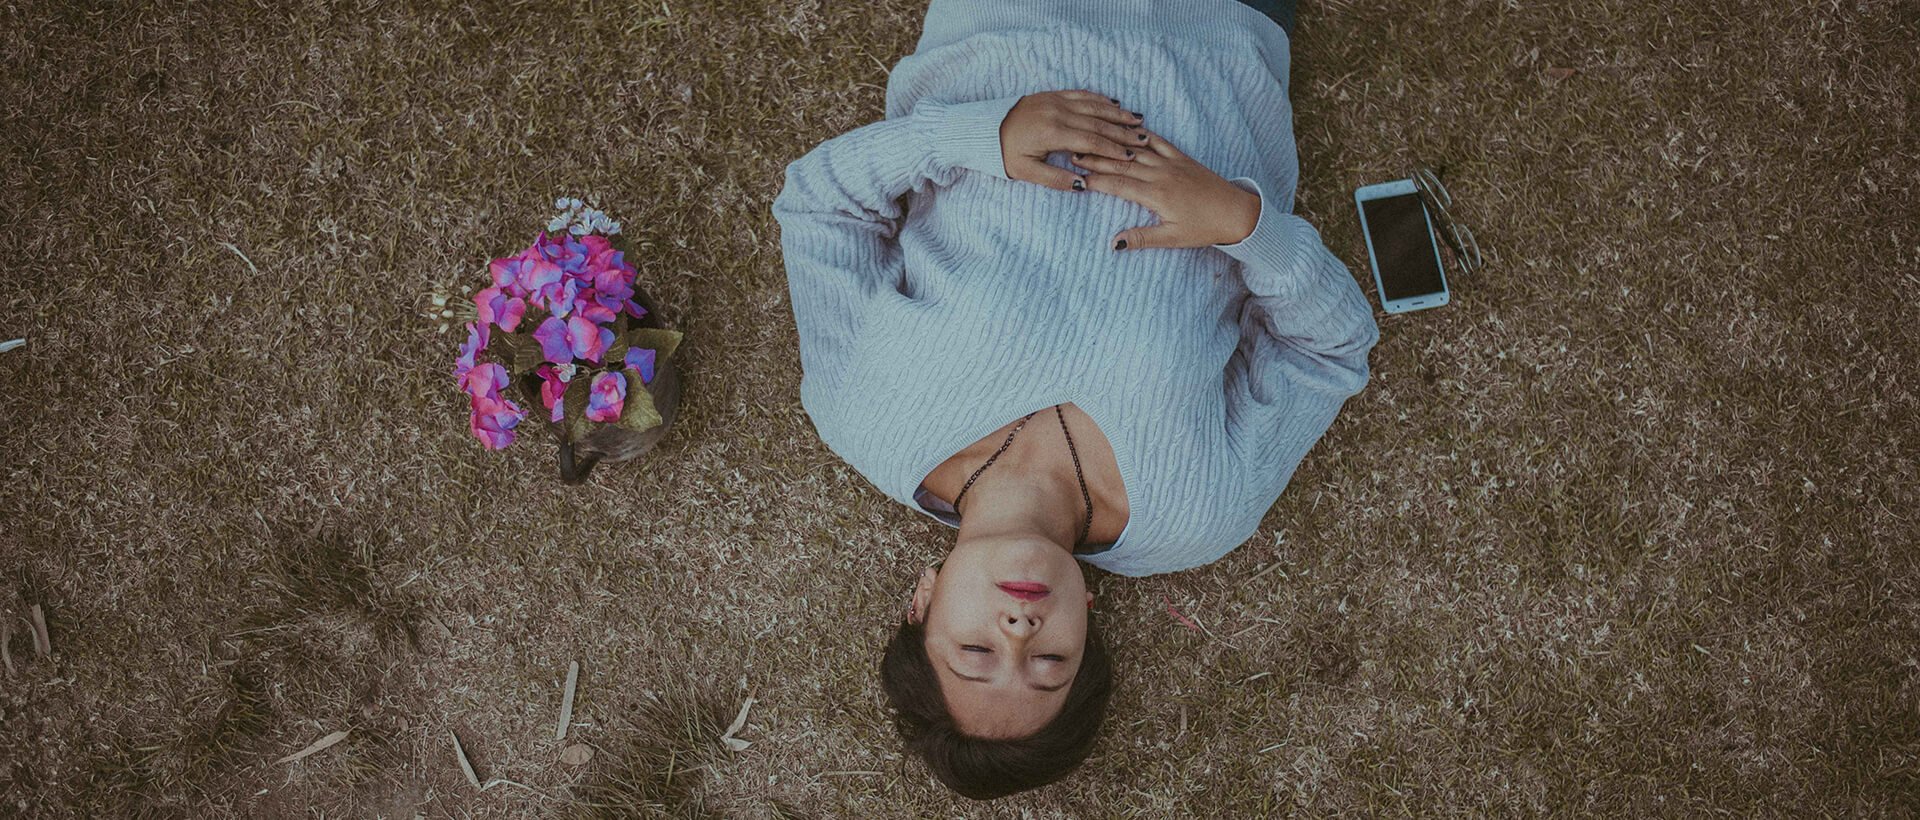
(517, 352)
(639, 413)
(663, 342)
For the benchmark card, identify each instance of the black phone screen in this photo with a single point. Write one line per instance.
(1402, 247)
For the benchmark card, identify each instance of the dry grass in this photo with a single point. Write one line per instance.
(1668, 570)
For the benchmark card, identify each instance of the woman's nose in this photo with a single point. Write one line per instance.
(1018, 625)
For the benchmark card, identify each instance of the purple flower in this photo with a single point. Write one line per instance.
(641, 359)
(588, 308)
(497, 307)
(559, 297)
(563, 340)
(552, 336)
(476, 342)
(569, 253)
(607, 397)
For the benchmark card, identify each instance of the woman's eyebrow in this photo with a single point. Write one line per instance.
(956, 673)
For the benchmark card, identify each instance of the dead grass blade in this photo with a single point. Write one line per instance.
(566, 701)
(6, 637)
(739, 722)
(316, 746)
(42, 645)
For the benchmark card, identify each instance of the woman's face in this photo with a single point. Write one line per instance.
(1006, 626)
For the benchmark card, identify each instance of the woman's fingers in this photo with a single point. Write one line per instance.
(1059, 179)
(1107, 111)
(1103, 165)
(1089, 142)
(1124, 187)
(1125, 137)
(1159, 144)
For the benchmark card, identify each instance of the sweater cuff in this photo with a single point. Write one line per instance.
(1273, 249)
(967, 135)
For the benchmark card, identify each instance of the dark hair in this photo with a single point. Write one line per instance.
(984, 768)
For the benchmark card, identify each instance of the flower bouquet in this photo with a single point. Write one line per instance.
(564, 323)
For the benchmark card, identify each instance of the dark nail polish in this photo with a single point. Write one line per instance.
(1112, 100)
(1079, 185)
(1143, 138)
(1136, 115)
(1129, 153)
(1120, 245)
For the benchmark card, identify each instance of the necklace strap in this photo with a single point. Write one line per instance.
(1086, 529)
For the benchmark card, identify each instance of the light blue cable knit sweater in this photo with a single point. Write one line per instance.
(938, 300)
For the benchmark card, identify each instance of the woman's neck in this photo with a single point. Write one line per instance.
(1028, 497)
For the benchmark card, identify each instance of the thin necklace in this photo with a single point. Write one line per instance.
(1087, 529)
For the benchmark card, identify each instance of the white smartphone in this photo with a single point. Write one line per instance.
(1402, 246)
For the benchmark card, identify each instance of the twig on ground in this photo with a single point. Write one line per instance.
(566, 701)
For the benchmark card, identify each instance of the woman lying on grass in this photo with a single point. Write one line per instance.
(988, 254)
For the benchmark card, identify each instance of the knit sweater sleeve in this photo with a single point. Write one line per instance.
(840, 213)
(1306, 328)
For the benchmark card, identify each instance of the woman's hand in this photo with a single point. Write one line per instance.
(1088, 124)
(1196, 206)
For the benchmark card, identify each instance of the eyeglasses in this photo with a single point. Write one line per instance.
(1465, 251)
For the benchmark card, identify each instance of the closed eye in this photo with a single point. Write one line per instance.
(1060, 658)
(974, 648)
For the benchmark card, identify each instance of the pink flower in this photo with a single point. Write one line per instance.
(493, 419)
(642, 359)
(497, 307)
(553, 390)
(588, 340)
(607, 397)
(484, 381)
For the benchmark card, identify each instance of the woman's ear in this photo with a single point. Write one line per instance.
(922, 596)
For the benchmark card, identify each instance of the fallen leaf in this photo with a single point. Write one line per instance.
(739, 722)
(316, 746)
(576, 755)
(461, 755)
(1560, 73)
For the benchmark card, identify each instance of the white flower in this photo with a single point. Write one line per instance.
(559, 223)
(578, 230)
(560, 203)
(574, 203)
(613, 227)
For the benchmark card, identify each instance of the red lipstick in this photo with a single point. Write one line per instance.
(1025, 590)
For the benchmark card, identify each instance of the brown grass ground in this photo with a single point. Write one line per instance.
(1627, 531)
